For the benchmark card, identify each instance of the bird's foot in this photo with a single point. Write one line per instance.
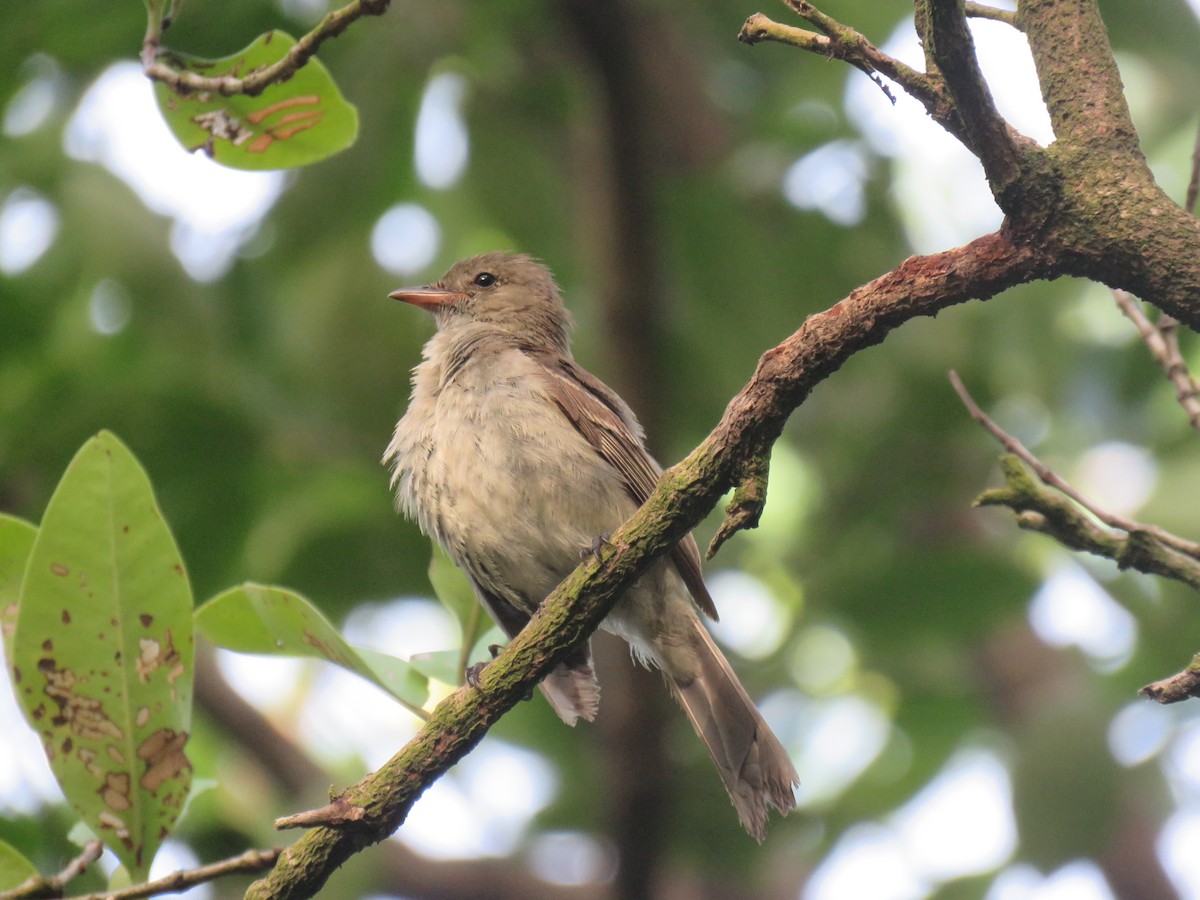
(593, 549)
(475, 672)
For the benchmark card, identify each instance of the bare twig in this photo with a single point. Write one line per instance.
(247, 863)
(1162, 340)
(1048, 477)
(980, 11)
(986, 134)
(336, 812)
(746, 506)
(841, 42)
(1193, 187)
(1044, 509)
(255, 82)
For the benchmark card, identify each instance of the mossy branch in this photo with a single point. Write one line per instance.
(1041, 508)
(1181, 686)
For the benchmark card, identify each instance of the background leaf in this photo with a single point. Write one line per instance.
(453, 590)
(256, 618)
(16, 540)
(14, 868)
(103, 651)
(301, 121)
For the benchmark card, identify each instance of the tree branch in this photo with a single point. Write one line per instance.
(1051, 479)
(1162, 340)
(245, 864)
(1078, 75)
(1051, 513)
(985, 133)
(1180, 686)
(253, 84)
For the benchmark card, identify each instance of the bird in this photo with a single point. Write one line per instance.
(513, 457)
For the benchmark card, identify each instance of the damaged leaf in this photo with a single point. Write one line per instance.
(102, 655)
(301, 121)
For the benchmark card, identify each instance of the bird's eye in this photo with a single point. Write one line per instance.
(485, 279)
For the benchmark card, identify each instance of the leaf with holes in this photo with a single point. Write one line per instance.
(257, 618)
(102, 655)
(301, 121)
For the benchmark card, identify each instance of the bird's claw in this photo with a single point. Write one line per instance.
(475, 673)
(599, 542)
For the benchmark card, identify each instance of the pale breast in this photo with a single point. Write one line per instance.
(491, 468)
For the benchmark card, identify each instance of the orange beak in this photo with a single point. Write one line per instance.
(428, 298)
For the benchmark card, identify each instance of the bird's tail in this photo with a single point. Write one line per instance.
(753, 764)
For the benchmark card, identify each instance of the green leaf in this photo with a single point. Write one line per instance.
(16, 540)
(14, 868)
(440, 665)
(448, 666)
(102, 656)
(301, 121)
(80, 833)
(256, 618)
(454, 591)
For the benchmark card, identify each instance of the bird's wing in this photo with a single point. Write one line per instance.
(572, 688)
(608, 424)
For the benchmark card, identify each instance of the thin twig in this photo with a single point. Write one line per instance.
(254, 83)
(838, 41)
(248, 863)
(1162, 340)
(1193, 187)
(980, 11)
(338, 811)
(1049, 478)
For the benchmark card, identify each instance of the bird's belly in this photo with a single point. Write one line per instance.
(519, 493)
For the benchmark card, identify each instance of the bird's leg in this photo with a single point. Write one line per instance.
(474, 672)
(599, 542)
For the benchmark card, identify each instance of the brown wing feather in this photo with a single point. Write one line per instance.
(608, 424)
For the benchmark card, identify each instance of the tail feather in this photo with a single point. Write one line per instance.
(572, 689)
(753, 764)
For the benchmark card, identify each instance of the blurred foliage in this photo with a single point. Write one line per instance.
(261, 402)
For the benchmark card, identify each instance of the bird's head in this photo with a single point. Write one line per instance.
(510, 292)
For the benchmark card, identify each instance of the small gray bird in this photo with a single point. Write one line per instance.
(513, 458)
